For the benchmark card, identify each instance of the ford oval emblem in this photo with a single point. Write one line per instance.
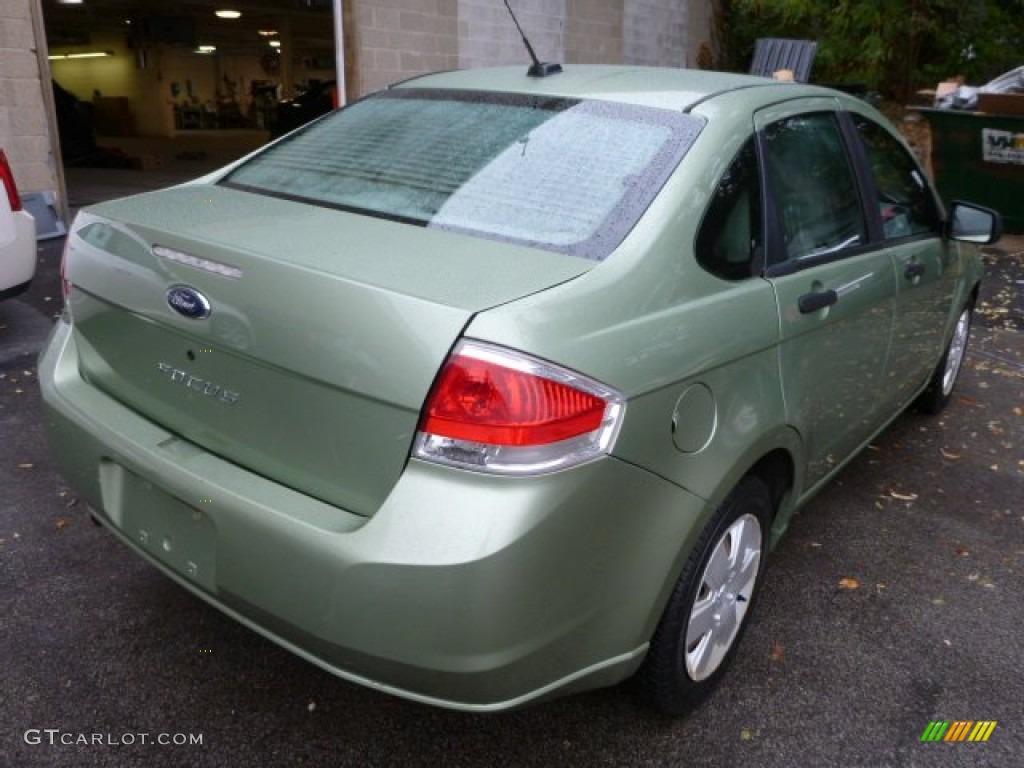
(188, 302)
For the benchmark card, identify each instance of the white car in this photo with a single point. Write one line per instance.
(17, 237)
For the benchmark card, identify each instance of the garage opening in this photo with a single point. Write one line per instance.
(184, 87)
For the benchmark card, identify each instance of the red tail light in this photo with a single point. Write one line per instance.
(499, 411)
(485, 402)
(7, 178)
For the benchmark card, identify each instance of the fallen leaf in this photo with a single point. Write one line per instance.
(949, 454)
(903, 496)
(962, 551)
(849, 583)
(746, 734)
(26, 465)
(778, 651)
(311, 706)
(61, 523)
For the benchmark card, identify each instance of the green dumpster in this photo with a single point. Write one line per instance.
(979, 157)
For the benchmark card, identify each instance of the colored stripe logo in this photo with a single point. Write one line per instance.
(959, 730)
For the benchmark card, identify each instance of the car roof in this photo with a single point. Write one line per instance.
(663, 87)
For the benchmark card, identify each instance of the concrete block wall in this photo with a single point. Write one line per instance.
(488, 36)
(398, 39)
(24, 130)
(594, 32)
(654, 33)
(698, 30)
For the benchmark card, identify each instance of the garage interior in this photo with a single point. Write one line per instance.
(140, 84)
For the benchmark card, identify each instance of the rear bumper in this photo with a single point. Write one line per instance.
(17, 255)
(463, 590)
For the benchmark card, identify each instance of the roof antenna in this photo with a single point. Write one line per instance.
(538, 68)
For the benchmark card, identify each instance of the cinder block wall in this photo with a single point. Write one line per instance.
(488, 37)
(654, 32)
(449, 34)
(396, 39)
(594, 31)
(24, 132)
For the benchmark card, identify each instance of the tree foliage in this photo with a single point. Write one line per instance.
(891, 46)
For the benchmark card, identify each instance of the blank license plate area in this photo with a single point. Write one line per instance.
(175, 533)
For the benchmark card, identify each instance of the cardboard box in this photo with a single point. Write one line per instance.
(1001, 103)
(946, 87)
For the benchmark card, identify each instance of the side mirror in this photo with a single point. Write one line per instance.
(973, 224)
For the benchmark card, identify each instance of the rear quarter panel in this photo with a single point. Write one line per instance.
(653, 324)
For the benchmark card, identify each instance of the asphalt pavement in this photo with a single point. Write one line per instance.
(893, 601)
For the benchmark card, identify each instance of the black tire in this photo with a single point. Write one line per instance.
(940, 387)
(671, 679)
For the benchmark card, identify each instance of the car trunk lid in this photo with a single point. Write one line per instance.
(324, 334)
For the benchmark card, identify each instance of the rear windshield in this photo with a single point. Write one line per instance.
(561, 174)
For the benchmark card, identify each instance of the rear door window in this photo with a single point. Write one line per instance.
(813, 186)
(561, 174)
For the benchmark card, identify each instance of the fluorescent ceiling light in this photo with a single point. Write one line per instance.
(227, 14)
(267, 32)
(206, 49)
(88, 55)
(275, 43)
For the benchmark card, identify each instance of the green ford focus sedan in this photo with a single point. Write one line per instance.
(490, 387)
